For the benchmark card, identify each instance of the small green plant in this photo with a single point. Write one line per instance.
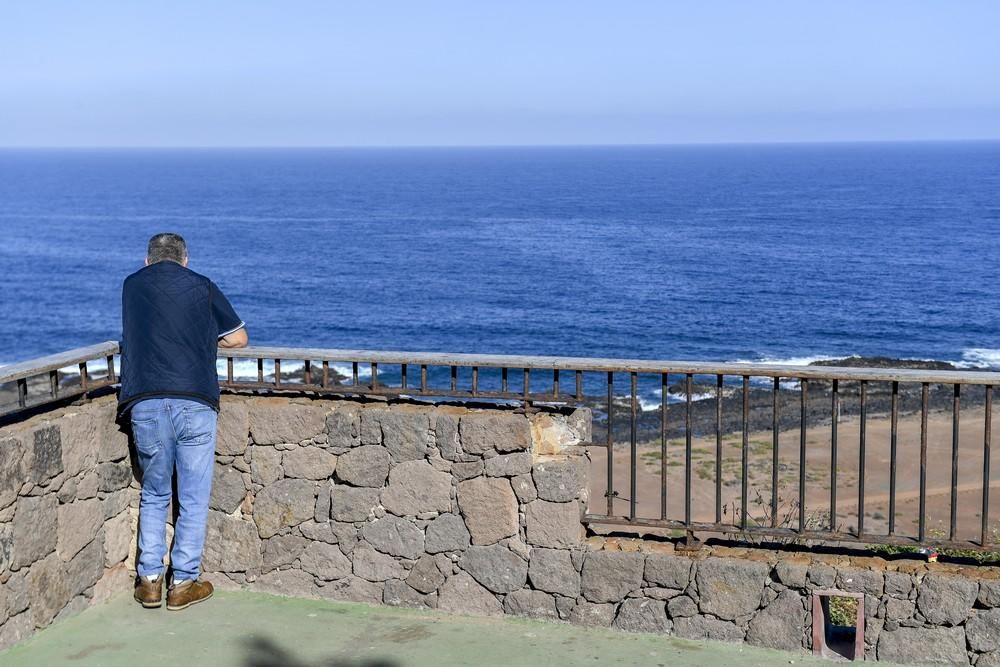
(936, 534)
(843, 611)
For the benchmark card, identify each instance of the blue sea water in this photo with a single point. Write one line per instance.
(703, 252)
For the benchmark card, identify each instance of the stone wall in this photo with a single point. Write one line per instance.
(462, 509)
(65, 525)
(914, 612)
(442, 507)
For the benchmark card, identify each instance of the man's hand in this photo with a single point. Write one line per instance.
(237, 338)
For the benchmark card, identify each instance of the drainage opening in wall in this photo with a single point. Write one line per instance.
(839, 625)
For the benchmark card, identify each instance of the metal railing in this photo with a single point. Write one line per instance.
(751, 481)
(56, 377)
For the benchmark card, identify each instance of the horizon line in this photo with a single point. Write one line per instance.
(192, 147)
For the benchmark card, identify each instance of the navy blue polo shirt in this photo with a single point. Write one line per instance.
(172, 320)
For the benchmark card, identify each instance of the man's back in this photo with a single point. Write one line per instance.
(172, 319)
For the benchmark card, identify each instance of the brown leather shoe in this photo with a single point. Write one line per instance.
(149, 593)
(183, 595)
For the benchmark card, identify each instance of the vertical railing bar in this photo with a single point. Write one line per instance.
(744, 475)
(987, 433)
(687, 451)
(503, 380)
(84, 377)
(610, 445)
(277, 372)
(22, 392)
(475, 380)
(862, 442)
(260, 370)
(111, 368)
(893, 440)
(403, 383)
(718, 448)
(326, 374)
(423, 378)
(775, 465)
(956, 415)
(54, 384)
(834, 419)
(374, 369)
(633, 443)
(454, 378)
(354, 373)
(803, 426)
(555, 382)
(229, 370)
(307, 371)
(527, 388)
(663, 446)
(922, 527)
(579, 385)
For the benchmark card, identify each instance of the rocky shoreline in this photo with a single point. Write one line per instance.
(760, 399)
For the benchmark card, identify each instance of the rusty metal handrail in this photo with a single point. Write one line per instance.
(22, 374)
(596, 364)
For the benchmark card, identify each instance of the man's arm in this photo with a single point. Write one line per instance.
(236, 338)
(232, 330)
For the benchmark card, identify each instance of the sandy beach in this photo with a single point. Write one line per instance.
(818, 478)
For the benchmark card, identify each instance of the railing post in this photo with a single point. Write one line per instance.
(804, 391)
(663, 446)
(984, 539)
(610, 445)
(633, 445)
(861, 458)
(745, 455)
(893, 439)
(22, 393)
(687, 450)
(775, 463)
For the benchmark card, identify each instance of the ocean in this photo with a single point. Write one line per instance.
(727, 253)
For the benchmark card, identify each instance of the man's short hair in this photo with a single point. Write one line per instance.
(166, 246)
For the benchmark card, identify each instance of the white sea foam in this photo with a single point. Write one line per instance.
(652, 400)
(244, 369)
(94, 367)
(680, 398)
(790, 384)
(792, 361)
(979, 357)
(364, 370)
(649, 403)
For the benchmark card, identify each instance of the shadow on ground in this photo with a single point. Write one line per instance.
(262, 652)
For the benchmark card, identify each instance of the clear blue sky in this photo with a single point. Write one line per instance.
(322, 73)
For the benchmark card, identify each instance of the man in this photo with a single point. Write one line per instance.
(173, 320)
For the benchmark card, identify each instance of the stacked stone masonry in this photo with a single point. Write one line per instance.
(67, 516)
(466, 510)
(425, 506)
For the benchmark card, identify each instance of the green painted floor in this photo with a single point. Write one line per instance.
(237, 629)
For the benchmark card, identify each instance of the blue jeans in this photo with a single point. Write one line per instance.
(173, 433)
